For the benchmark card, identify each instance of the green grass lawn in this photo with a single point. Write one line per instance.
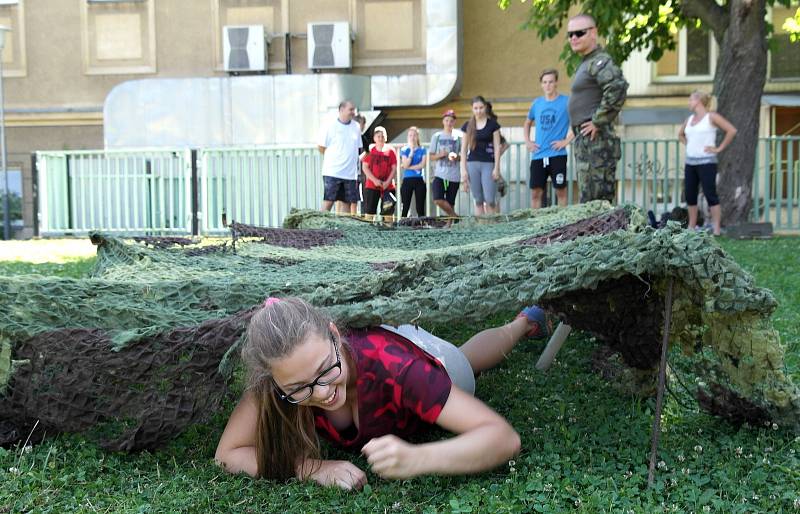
(585, 448)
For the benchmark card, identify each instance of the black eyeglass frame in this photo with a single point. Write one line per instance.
(287, 397)
(580, 33)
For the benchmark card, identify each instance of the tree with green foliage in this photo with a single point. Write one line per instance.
(741, 30)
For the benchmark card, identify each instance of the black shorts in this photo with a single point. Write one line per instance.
(556, 169)
(445, 190)
(340, 190)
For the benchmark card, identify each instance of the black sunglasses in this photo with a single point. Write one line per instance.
(578, 33)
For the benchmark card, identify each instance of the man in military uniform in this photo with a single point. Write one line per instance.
(598, 92)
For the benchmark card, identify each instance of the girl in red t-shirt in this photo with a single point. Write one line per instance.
(365, 391)
(380, 167)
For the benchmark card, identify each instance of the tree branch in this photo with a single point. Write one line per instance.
(709, 12)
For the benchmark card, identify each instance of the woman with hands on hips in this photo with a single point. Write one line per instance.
(365, 390)
(699, 134)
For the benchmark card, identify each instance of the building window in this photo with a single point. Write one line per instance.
(14, 197)
(784, 62)
(389, 32)
(269, 13)
(12, 16)
(118, 36)
(693, 59)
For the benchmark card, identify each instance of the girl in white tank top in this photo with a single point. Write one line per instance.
(700, 139)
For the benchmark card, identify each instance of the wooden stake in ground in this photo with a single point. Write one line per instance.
(662, 378)
(553, 346)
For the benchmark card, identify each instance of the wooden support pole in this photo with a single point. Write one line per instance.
(662, 378)
(553, 346)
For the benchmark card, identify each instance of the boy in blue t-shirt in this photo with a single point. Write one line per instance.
(548, 151)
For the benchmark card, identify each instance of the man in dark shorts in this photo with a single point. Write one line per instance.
(548, 150)
(339, 144)
(444, 152)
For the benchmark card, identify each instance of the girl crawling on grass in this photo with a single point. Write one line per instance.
(366, 390)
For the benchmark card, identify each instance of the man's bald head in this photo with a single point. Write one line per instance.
(588, 18)
(347, 110)
(582, 34)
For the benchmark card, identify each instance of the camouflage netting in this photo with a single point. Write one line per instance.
(140, 350)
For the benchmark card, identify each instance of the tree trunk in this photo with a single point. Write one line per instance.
(739, 84)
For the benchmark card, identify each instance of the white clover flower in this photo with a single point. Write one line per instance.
(27, 449)
(577, 503)
(774, 426)
(13, 471)
(662, 464)
(698, 448)
(548, 487)
(706, 508)
(628, 474)
(796, 503)
(738, 451)
(681, 458)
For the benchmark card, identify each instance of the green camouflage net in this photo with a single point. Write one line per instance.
(141, 349)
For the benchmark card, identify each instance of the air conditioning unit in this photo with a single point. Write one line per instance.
(329, 45)
(244, 48)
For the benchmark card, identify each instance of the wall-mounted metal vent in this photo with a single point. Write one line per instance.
(243, 48)
(329, 45)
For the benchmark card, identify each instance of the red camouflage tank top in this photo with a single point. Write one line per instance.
(400, 389)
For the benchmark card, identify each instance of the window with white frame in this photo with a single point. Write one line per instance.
(118, 36)
(694, 57)
(14, 195)
(12, 17)
(784, 55)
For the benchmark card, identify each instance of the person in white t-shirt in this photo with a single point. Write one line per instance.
(699, 134)
(339, 144)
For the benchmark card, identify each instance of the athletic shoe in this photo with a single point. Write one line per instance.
(541, 325)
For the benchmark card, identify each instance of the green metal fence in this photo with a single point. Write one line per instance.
(776, 183)
(257, 186)
(130, 192)
(181, 191)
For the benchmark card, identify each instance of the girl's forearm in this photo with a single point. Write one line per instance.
(483, 448)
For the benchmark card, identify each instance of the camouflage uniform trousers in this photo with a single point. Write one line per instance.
(596, 165)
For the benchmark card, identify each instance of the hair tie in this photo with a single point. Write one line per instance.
(271, 301)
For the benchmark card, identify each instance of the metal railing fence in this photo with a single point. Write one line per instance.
(258, 186)
(181, 191)
(118, 191)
